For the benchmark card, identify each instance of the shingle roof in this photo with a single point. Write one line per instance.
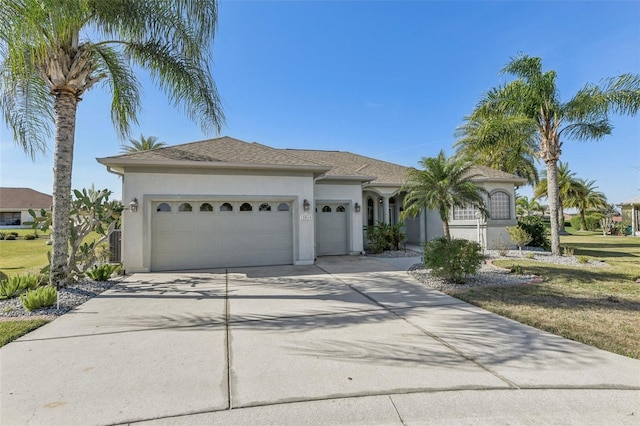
(487, 173)
(228, 151)
(632, 202)
(220, 150)
(348, 164)
(24, 198)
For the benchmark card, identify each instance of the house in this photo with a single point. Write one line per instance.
(631, 214)
(16, 202)
(224, 202)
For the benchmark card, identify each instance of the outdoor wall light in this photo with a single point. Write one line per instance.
(357, 208)
(306, 205)
(133, 205)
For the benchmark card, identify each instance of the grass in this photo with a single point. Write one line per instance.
(599, 306)
(11, 330)
(23, 256)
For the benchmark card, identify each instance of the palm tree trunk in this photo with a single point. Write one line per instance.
(583, 221)
(554, 204)
(65, 106)
(447, 233)
(561, 230)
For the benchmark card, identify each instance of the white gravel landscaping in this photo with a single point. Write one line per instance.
(70, 297)
(490, 275)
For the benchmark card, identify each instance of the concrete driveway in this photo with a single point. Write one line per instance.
(349, 340)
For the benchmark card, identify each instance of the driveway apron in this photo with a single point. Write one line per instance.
(348, 340)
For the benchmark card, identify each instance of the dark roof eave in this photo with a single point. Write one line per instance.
(121, 163)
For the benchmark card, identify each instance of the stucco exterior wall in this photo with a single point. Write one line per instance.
(348, 192)
(155, 186)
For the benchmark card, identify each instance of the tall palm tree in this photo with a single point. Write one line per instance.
(442, 184)
(533, 98)
(512, 150)
(54, 51)
(144, 144)
(584, 197)
(567, 184)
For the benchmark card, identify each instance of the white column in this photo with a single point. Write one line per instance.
(375, 210)
(634, 221)
(385, 209)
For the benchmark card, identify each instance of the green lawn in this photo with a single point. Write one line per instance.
(597, 306)
(23, 256)
(11, 330)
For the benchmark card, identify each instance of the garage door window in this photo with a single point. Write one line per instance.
(326, 209)
(340, 209)
(185, 207)
(264, 207)
(163, 208)
(206, 207)
(283, 207)
(246, 207)
(226, 207)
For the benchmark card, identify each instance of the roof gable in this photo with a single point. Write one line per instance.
(24, 198)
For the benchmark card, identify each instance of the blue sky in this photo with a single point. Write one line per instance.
(391, 80)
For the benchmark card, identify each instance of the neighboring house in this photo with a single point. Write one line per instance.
(631, 214)
(15, 204)
(224, 202)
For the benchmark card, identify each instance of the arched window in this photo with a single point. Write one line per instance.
(340, 209)
(185, 207)
(163, 208)
(264, 207)
(206, 207)
(283, 207)
(370, 220)
(500, 205)
(326, 209)
(246, 207)
(226, 207)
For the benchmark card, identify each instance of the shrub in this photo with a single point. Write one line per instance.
(30, 237)
(567, 251)
(10, 237)
(519, 236)
(102, 272)
(530, 256)
(18, 284)
(517, 269)
(385, 237)
(14, 233)
(3, 276)
(452, 260)
(583, 259)
(41, 297)
(534, 226)
(3, 235)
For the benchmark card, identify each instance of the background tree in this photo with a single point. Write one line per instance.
(533, 99)
(144, 144)
(526, 206)
(442, 184)
(567, 184)
(54, 51)
(506, 145)
(584, 197)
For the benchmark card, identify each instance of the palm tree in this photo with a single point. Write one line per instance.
(584, 197)
(53, 52)
(533, 100)
(526, 206)
(487, 143)
(442, 184)
(567, 184)
(144, 144)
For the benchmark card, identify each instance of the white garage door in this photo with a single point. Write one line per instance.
(332, 230)
(215, 234)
